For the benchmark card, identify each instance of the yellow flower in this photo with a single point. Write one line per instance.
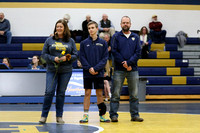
(63, 53)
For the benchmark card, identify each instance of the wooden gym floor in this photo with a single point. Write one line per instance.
(159, 117)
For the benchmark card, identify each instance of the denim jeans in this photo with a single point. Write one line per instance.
(59, 84)
(8, 35)
(133, 83)
(158, 36)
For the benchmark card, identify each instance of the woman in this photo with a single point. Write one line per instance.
(145, 42)
(35, 64)
(60, 52)
(6, 61)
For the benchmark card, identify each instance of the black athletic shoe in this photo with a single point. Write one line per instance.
(136, 118)
(114, 119)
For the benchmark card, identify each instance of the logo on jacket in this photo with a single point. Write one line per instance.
(60, 46)
(88, 45)
(133, 38)
(99, 44)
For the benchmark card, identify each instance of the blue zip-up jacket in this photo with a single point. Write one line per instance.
(126, 49)
(93, 54)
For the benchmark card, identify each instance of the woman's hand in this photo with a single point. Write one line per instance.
(63, 58)
(57, 60)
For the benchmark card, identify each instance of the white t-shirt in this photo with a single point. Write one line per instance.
(127, 35)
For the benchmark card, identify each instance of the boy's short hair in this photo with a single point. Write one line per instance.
(93, 22)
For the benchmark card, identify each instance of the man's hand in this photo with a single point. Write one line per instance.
(56, 59)
(125, 65)
(91, 70)
(129, 68)
(1, 32)
(109, 49)
(106, 29)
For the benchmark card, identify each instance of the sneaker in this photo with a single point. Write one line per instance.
(42, 120)
(85, 119)
(136, 118)
(114, 119)
(60, 120)
(103, 119)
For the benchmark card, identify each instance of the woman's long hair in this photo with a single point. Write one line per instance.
(8, 62)
(66, 33)
(141, 30)
(39, 62)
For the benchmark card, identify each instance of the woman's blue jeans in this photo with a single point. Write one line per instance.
(59, 84)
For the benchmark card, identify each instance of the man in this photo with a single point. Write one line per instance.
(93, 57)
(157, 35)
(84, 27)
(126, 51)
(106, 26)
(5, 28)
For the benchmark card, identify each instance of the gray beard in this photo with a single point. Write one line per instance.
(1, 20)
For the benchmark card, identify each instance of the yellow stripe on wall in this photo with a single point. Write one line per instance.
(97, 5)
(174, 71)
(156, 62)
(32, 46)
(163, 54)
(179, 80)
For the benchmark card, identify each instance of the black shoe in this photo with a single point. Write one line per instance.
(136, 118)
(114, 119)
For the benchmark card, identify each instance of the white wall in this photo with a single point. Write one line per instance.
(40, 21)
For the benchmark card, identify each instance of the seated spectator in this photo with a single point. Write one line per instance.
(157, 35)
(35, 64)
(67, 18)
(5, 28)
(6, 61)
(84, 27)
(106, 26)
(145, 40)
(107, 39)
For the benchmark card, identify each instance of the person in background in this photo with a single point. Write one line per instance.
(156, 32)
(35, 64)
(145, 40)
(107, 75)
(60, 52)
(106, 26)
(6, 61)
(5, 28)
(126, 50)
(93, 57)
(84, 27)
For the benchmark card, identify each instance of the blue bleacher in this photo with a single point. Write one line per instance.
(19, 54)
(173, 90)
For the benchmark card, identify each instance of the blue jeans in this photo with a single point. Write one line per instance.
(8, 35)
(59, 84)
(158, 36)
(133, 83)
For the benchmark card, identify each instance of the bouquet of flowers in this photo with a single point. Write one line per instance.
(68, 57)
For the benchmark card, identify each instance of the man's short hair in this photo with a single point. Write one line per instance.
(126, 17)
(92, 22)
